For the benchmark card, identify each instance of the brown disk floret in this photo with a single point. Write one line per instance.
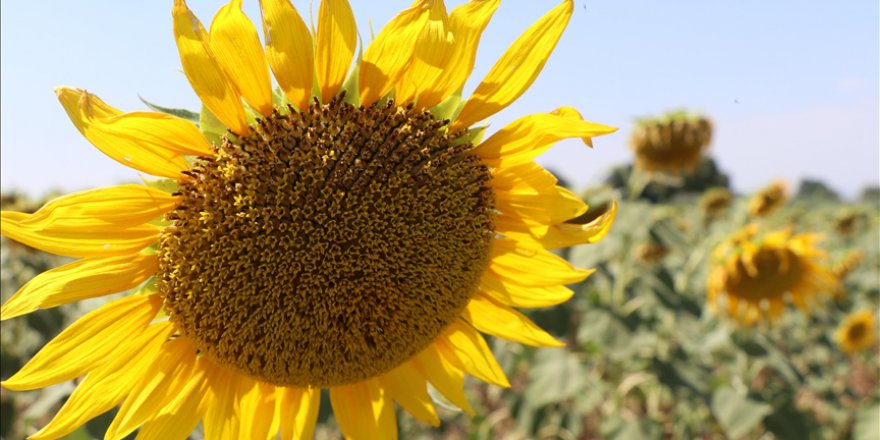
(329, 245)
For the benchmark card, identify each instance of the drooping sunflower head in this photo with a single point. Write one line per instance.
(768, 200)
(671, 143)
(857, 332)
(715, 202)
(842, 269)
(847, 223)
(650, 253)
(351, 230)
(755, 274)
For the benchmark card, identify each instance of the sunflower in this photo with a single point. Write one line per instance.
(350, 232)
(857, 332)
(672, 142)
(758, 273)
(715, 202)
(842, 269)
(768, 200)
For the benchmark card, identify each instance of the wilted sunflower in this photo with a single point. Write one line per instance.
(857, 331)
(715, 202)
(758, 273)
(353, 234)
(671, 143)
(767, 200)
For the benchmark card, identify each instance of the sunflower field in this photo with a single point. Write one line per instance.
(709, 315)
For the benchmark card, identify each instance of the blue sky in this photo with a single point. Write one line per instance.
(792, 86)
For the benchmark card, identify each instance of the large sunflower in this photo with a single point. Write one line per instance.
(758, 273)
(349, 232)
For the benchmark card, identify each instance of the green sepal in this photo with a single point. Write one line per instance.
(167, 185)
(473, 135)
(179, 112)
(211, 127)
(350, 86)
(449, 108)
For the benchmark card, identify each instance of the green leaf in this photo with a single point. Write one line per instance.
(556, 376)
(211, 127)
(179, 112)
(623, 429)
(737, 414)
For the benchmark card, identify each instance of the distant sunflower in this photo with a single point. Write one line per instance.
(857, 332)
(842, 269)
(350, 232)
(757, 274)
(715, 202)
(671, 143)
(768, 200)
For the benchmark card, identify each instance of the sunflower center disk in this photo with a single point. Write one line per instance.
(776, 272)
(328, 246)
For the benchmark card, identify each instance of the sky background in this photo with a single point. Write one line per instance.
(792, 86)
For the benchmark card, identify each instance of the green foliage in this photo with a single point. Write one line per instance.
(644, 359)
(661, 188)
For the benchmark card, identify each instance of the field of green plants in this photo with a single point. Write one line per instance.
(644, 357)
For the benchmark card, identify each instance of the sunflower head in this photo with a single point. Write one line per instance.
(715, 202)
(651, 253)
(847, 223)
(768, 200)
(350, 229)
(857, 332)
(755, 274)
(671, 143)
(842, 269)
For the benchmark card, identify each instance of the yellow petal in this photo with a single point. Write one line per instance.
(570, 112)
(237, 48)
(258, 410)
(528, 137)
(517, 69)
(558, 235)
(204, 72)
(494, 318)
(77, 241)
(526, 175)
(549, 207)
(169, 375)
(364, 411)
(150, 142)
(466, 22)
(289, 50)
(445, 377)
(86, 344)
(334, 46)
(406, 385)
(226, 388)
(528, 191)
(434, 50)
(532, 265)
(104, 388)
(101, 222)
(179, 418)
(463, 346)
(390, 53)
(298, 411)
(87, 278)
(508, 291)
(123, 206)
